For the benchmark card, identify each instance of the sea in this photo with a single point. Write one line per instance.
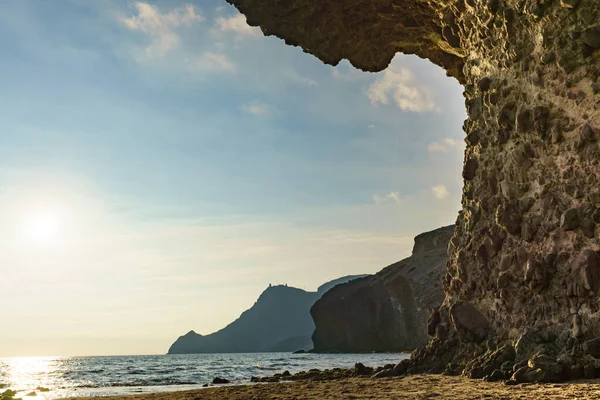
(45, 378)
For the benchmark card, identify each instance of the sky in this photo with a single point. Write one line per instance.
(162, 162)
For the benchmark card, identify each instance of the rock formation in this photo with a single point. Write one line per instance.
(278, 321)
(387, 311)
(524, 263)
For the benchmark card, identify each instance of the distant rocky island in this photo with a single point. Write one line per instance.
(279, 320)
(387, 311)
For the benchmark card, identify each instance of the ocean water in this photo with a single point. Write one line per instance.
(118, 375)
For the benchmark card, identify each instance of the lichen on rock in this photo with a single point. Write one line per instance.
(526, 248)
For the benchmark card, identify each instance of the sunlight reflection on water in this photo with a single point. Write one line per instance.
(123, 375)
(29, 374)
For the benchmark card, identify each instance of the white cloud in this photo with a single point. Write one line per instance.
(211, 61)
(160, 27)
(293, 75)
(392, 197)
(400, 84)
(445, 145)
(341, 76)
(237, 25)
(440, 192)
(256, 108)
(306, 81)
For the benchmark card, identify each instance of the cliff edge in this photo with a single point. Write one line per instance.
(387, 311)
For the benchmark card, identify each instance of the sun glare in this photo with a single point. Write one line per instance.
(43, 228)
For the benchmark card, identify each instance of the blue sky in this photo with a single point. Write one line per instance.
(186, 162)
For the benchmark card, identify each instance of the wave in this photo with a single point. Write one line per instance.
(118, 375)
(166, 371)
(86, 386)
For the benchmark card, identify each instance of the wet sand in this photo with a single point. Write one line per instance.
(411, 387)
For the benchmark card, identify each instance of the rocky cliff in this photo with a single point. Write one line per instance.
(521, 290)
(278, 321)
(387, 311)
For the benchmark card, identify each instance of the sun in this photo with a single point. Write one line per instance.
(43, 228)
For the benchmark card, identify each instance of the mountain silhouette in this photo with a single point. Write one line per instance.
(279, 320)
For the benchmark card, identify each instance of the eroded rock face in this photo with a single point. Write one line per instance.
(367, 33)
(469, 323)
(387, 311)
(526, 245)
(367, 315)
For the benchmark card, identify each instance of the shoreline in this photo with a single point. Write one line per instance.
(409, 387)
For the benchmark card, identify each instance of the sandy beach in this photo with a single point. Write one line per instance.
(411, 387)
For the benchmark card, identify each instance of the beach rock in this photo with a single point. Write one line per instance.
(589, 371)
(8, 395)
(575, 372)
(385, 373)
(358, 371)
(550, 369)
(362, 370)
(592, 347)
(494, 359)
(501, 357)
(220, 381)
(520, 375)
(402, 367)
(528, 344)
(495, 376)
(476, 372)
(527, 374)
(471, 325)
(530, 73)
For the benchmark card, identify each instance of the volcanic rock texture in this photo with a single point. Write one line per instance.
(524, 260)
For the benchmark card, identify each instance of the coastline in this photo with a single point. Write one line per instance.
(408, 387)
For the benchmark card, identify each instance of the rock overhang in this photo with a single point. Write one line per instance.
(524, 256)
(366, 33)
